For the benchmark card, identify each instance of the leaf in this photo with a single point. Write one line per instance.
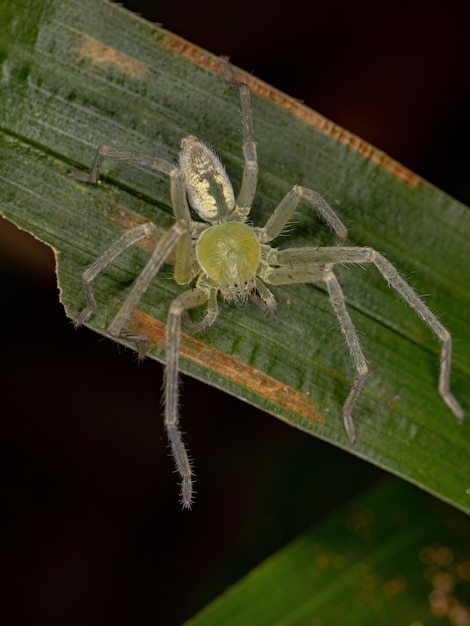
(389, 557)
(75, 75)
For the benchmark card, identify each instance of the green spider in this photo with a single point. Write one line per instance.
(224, 254)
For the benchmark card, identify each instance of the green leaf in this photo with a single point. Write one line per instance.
(78, 74)
(389, 557)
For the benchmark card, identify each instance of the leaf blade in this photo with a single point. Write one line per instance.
(73, 84)
(377, 559)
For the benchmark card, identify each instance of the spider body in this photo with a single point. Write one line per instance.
(225, 255)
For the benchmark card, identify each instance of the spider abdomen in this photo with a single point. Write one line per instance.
(208, 187)
(230, 254)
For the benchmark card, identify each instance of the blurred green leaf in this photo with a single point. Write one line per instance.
(77, 74)
(392, 556)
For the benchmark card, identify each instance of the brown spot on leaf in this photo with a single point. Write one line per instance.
(244, 375)
(101, 54)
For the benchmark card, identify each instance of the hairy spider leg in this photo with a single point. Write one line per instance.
(212, 310)
(336, 296)
(179, 202)
(289, 203)
(180, 305)
(177, 239)
(162, 251)
(177, 189)
(286, 208)
(290, 275)
(247, 190)
(128, 239)
(300, 265)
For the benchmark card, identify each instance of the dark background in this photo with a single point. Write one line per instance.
(92, 528)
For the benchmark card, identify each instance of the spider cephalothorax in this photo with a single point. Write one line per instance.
(229, 254)
(224, 255)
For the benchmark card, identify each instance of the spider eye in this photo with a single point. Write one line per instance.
(240, 289)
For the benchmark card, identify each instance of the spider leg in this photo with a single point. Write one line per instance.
(128, 239)
(404, 290)
(350, 336)
(181, 304)
(247, 190)
(298, 257)
(264, 300)
(130, 156)
(178, 194)
(286, 208)
(163, 249)
(209, 318)
(290, 275)
(178, 237)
